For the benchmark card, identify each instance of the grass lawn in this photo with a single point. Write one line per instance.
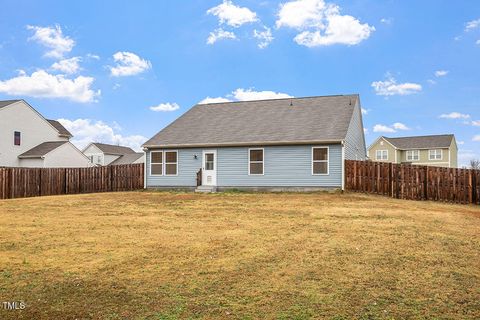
(161, 255)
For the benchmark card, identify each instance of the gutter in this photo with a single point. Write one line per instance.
(244, 144)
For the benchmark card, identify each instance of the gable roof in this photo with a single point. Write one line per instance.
(60, 128)
(5, 103)
(422, 142)
(128, 158)
(112, 149)
(276, 121)
(42, 149)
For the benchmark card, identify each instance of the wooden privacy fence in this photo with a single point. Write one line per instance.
(413, 182)
(32, 182)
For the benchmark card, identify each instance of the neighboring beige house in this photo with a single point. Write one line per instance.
(27, 139)
(434, 150)
(102, 154)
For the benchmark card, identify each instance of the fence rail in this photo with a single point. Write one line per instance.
(413, 182)
(32, 182)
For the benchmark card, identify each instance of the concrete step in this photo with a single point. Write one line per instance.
(206, 189)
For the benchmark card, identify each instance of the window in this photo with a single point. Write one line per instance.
(381, 155)
(16, 138)
(435, 154)
(255, 161)
(320, 160)
(171, 158)
(413, 155)
(209, 161)
(156, 163)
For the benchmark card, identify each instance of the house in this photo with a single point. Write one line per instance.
(433, 150)
(27, 139)
(279, 144)
(103, 154)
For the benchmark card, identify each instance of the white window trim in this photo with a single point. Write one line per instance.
(327, 161)
(263, 162)
(381, 154)
(441, 154)
(163, 156)
(164, 171)
(412, 154)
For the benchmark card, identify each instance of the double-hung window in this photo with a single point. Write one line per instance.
(413, 155)
(319, 160)
(156, 163)
(381, 155)
(164, 163)
(255, 161)
(435, 154)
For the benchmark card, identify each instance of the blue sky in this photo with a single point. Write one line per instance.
(119, 72)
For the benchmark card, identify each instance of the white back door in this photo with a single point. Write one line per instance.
(209, 168)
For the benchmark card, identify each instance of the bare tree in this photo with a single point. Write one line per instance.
(475, 164)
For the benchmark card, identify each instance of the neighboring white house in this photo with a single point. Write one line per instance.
(103, 154)
(27, 139)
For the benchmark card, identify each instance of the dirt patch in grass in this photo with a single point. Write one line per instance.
(161, 255)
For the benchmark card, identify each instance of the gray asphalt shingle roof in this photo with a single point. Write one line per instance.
(42, 149)
(291, 120)
(128, 158)
(5, 103)
(421, 142)
(61, 129)
(113, 149)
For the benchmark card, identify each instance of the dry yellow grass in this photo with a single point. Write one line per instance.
(160, 255)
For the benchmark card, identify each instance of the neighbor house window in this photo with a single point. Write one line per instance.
(156, 163)
(17, 138)
(171, 163)
(435, 154)
(255, 161)
(320, 160)
(381, 155)
(413, 155)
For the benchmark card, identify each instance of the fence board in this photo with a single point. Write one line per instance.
(404, 181)
(31, 182)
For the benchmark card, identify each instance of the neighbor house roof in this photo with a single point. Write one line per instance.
(42, 149)
(422, 142)
(128, 158)
(113, 149)
(61, 129)
(5, 103)
(276, 121)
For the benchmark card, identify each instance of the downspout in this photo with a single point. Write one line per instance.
(343, 165)
(145, 170)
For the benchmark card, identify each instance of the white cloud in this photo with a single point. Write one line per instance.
(386, 20)
(247, 95)
(364, 111)
(53, 39)
(365, 130)
(476, 138)
(454, 115)
(232, 15)
(68, 66)
(321, 24)
(165, 107)
(220, 34)
(214, 100)
(476, 123)
(264, 37)
(431, 81)
(41, 84)
(478, 42)
(460, 142)
(87, 130)
(471, 25)
(441, 73)
(128, 64)
(390, 87)
(93, 56)
(383, 128)
(400, 126)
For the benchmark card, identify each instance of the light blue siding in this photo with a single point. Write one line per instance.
(285, 166)
(355, 137)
